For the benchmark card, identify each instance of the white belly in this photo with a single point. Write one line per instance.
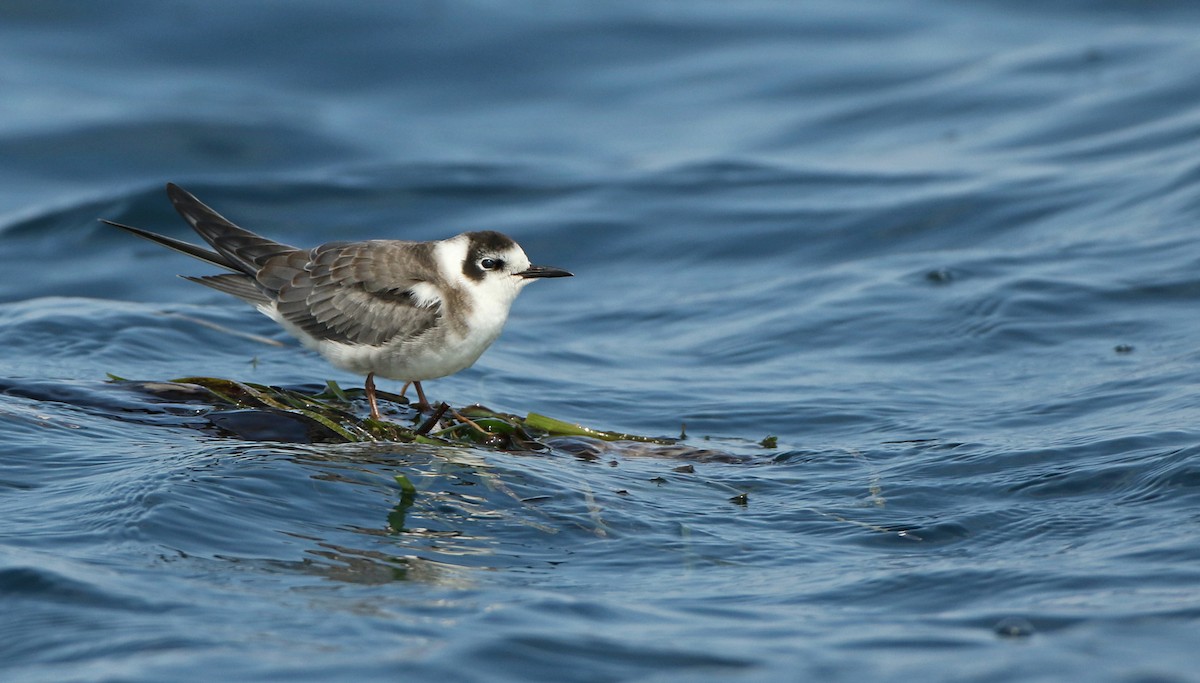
(436, 354)
(408, 361)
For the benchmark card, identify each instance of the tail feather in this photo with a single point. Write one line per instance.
(188, 248)
(244, 250)
(242, 286)
(235, 249)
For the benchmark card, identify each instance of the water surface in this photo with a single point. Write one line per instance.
(944, 252)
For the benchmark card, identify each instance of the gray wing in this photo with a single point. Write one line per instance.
(357, 292)
(239, 249)
(235, 249)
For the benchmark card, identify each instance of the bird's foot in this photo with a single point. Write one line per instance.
(422, 402)
(369, 386)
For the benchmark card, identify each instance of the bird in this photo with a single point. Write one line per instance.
(401, 310)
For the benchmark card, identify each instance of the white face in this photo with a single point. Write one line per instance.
(487, 271)
(500, 278)
(486, 265)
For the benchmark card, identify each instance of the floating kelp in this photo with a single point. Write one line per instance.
(261, 412)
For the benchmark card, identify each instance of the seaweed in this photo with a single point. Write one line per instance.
(249, 408)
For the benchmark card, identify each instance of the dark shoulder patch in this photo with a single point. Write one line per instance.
(481, 244)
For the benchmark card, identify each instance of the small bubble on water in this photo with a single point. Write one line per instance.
(939, 276)
(1013, 627)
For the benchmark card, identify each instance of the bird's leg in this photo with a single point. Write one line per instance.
(370, 387)
(422, 404)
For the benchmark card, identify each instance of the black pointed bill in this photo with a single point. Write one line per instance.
(543, 271)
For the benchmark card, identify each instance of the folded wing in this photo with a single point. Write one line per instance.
(353, 293)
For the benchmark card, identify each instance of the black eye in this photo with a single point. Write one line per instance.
(490, 263)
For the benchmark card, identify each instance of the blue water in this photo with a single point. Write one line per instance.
(946, 252)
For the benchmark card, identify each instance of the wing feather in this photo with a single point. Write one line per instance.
(242, 250)
(354, 292)
(241, 286)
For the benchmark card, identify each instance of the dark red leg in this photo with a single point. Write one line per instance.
(422, 404)
(370, 387)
